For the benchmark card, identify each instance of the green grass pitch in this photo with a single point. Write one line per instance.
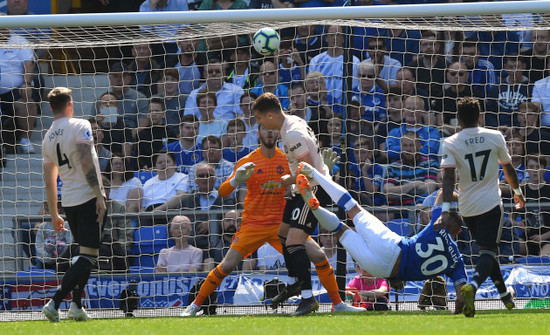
(518, 322)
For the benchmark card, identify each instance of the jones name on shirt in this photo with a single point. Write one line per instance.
(57, 132)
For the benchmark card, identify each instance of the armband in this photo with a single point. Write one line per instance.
(517, 191)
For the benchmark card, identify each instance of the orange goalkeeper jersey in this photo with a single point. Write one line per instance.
(264, 202)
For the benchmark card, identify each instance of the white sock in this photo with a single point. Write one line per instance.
(327, 219)
(306, 294)
(292, 280)
(337, 193)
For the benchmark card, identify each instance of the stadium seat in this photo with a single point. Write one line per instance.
(148, 241)
(34, 272)
(142, 269)
(533, 260)
(399, 226)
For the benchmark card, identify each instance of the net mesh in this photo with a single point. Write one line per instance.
(87, 59)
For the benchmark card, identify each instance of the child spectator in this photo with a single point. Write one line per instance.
(234, 149)
(368, 292)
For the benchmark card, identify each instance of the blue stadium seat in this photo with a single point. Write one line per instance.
(143, 176)
(399, 226)
(534, 260)
(34, 272)
(148, 241)
(142, 269)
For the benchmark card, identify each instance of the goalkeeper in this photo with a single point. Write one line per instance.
(382, 252)
(262, 170)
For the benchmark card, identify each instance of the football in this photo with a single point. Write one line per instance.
(266, 41)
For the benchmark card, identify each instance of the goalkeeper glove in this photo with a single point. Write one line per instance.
(242, 174)
(330, 158)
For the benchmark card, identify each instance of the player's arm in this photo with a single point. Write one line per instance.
(512, 178)
(92, 177)
(50, 178)
(240, 174)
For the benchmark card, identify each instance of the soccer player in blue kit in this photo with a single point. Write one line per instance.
(379, 250)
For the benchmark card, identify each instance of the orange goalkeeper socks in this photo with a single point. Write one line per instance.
(213, 280)
(327, 278)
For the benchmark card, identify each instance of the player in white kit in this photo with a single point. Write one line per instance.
(68, 151)
(476, 153)
(300, 145)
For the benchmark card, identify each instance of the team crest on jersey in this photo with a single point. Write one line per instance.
(88, 134)
(195, 157)
(270, 185)
(280, 169)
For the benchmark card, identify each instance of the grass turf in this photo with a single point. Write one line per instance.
(517, 322)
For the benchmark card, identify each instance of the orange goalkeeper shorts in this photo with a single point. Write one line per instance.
(248, 239)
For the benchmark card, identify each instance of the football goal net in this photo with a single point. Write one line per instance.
(169, 95)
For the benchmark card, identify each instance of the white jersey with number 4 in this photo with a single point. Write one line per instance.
(299, 141)
(59, 147)
(476, 153)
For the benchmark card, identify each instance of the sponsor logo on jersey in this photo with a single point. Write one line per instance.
(271, 185)
(299, 144)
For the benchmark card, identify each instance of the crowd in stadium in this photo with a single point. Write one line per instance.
(177, 116)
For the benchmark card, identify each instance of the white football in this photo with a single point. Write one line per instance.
(266, 41)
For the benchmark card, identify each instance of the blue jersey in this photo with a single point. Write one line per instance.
(185, 158)
(430, 253)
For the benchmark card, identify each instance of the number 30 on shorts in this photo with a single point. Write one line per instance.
(431, 260)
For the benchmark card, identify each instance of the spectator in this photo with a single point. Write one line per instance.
(291, 66)
(266, 4)
(541, 95)
(333, 139)
(313, 3)
(209, 125)
(367, 177)
(169, 32)
(147, 71)
(206, 225)
(317, 100)
(222, 4)
(52, 247)
(251, 138)
(356, 125)
(212, 154)
(535, 223)
(228, 95)
(457, 79)
(404, 44)
(298, 101)
(503, 100)
(103, 154)
(373, 101)
(386, 67)
(230, 225)
(187, 66)
(482, 73)
(395, 101)
(116, 6)
(116, 138)
(516, 147)
(155, 136)
(269, 78)
(413, 177)
(429, 66)
(330, 64)
(536, 58)
(537, 138)
(187, 151)
(307, 42)
(269, 258)
(496, 45)
(124, 187)
(182, 257)
(166, 184)
(19, 108)
(369, 292)
(173, 99)
(406, 82)
(134, 104)
(240, 71)
(414, 120)
(234, 149)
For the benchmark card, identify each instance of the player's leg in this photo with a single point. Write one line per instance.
(293, 285)
(87, 233)
(337, 193)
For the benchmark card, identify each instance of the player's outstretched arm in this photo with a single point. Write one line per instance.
(512, 179)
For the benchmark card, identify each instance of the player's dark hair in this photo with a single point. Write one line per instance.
(58, 98)
(163, 152)
(468, 110)
(267, 102)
